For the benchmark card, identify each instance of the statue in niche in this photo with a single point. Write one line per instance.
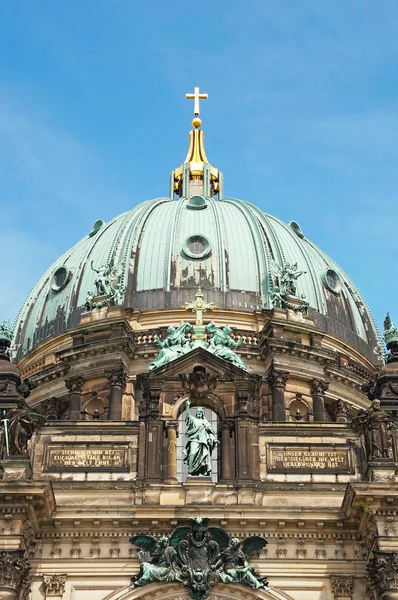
(233, 566)
(201, 441)
(157, 560)
(376, 427)
(176, 344)
(221, 344)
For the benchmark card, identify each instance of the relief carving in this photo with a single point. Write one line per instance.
(54, 585)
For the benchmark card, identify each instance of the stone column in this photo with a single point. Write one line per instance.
(117, 381)
(171, 466)
(75, 387)
(226, 454)
(342, 586)
(318, 388)
(54, 586)
(14, 576)
(277, 381)
(383, 574)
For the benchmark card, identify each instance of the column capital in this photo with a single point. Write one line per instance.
(75, 385)
(54, 585)
(14, 573)
(277, 378)
(319, 387)
(342, 586)
(383, 571)
(339, 409)
(171, 425)
(117, 377)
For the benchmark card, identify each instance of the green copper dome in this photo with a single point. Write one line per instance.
(166, 248)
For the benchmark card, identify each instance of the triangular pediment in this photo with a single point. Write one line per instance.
(200, 356)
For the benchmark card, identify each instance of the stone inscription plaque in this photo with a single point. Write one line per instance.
(309, 459)
(88, 457)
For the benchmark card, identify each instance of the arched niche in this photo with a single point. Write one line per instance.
(172, 591)
(211, 401)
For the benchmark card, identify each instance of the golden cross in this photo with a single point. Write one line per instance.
(196, 96)
(199, 306)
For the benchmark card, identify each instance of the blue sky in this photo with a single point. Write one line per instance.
(302, 118)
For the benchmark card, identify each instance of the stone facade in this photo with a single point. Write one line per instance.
(303, 483)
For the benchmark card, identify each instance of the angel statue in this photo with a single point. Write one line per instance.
(287, 275)
(221, 344)
(173, 346)
(103, 281)
(158, 561)
(233, 565)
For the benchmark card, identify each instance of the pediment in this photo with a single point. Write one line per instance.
(200, 356)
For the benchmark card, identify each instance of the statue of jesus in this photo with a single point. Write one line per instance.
(201, 441)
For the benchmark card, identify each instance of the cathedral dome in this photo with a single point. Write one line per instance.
(165, 248)
(158, 254)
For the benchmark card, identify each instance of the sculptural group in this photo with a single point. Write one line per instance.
(177, 343)
(198, 556)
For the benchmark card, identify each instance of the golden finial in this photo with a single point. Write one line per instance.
(196, 122)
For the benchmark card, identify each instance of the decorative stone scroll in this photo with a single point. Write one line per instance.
(86, 457)
(309, 459)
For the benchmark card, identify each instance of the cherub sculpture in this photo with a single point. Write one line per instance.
(158, 561)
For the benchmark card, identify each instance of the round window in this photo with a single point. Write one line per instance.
(196, 247)
(60, 278)
(296, 228)
(332, 281)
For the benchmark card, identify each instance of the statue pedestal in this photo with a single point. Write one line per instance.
(381, 470)
(199, 479)
(199, 490)
(16, 467)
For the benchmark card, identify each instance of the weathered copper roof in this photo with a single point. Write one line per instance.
(229, 247)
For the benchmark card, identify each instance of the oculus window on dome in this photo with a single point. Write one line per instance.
(60, 278)
(332, 281)
(196, 247)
